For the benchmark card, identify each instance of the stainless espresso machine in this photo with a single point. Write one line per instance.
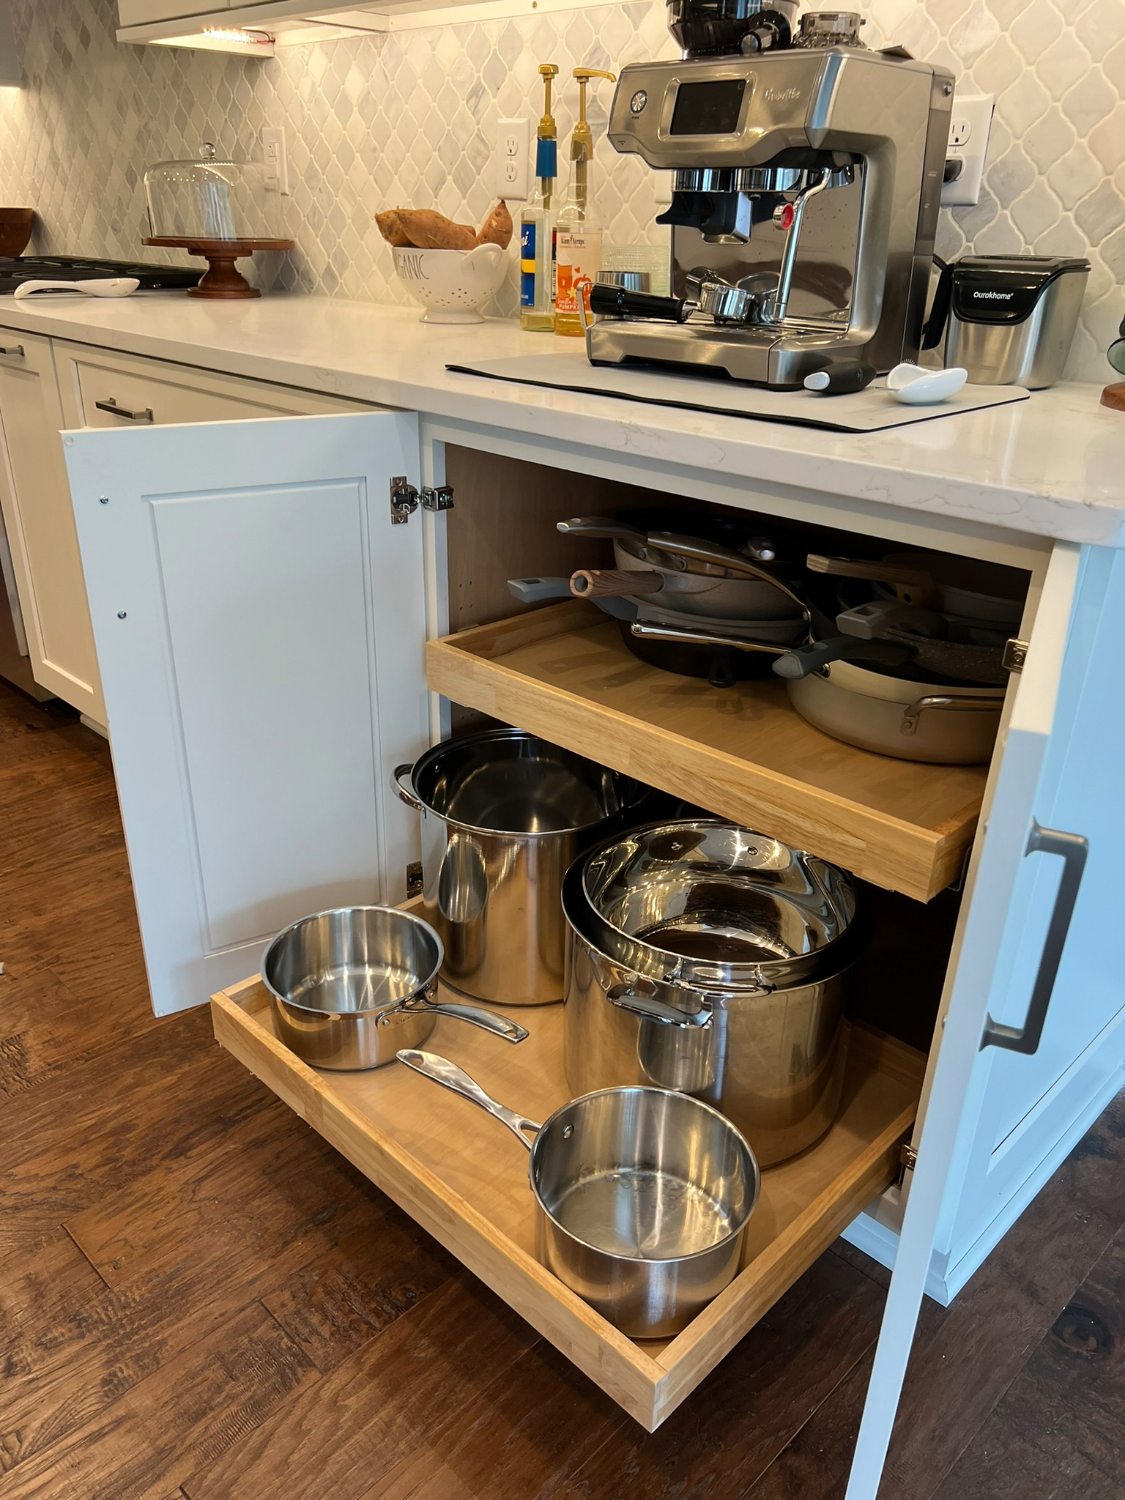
(808, 173)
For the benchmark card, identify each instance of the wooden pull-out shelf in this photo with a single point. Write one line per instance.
(462, 1177)
(564, 672)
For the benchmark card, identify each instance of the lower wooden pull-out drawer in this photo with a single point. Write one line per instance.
(464, 1180)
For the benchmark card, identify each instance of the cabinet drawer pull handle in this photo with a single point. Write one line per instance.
(1072, 848)
(15, 350)
(142, 414)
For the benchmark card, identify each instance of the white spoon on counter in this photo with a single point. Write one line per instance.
(104, 286)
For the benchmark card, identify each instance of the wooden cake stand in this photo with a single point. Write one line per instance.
(222, 278)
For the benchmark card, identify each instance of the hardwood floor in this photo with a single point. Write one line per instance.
(199, 1300)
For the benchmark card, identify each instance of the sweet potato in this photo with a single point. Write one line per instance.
(433, 231)
(497, 228)
(390, 227)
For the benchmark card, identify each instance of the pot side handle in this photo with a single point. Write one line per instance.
(401, 792)
(451, 1077)
(639, 997)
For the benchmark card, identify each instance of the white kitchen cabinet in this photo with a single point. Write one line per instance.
(144, 12)
(39, 521)
(211, 757)
(259, 625)
(47, 385)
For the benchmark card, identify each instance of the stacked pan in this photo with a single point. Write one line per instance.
(713, 961)
(681, 573)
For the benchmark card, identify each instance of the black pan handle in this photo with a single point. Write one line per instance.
(616, 302)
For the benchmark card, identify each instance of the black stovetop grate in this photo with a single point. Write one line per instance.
(13, 270)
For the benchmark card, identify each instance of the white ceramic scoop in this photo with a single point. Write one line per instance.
(105, 286)
(916, 387)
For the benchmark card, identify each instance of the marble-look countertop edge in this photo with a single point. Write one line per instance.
(1053, 466)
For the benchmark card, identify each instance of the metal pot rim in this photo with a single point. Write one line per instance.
(737, 978)
(434, 752)
(420, 990)
(646, 1260)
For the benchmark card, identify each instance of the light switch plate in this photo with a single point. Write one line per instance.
(277, 160)
(969, 126)
(511, 158)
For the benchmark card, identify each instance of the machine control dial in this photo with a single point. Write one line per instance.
(638, 101)
(783, 215)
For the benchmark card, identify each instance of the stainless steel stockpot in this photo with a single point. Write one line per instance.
(349, 987)
(770, 1055)
(504, 814)
(642, 1197)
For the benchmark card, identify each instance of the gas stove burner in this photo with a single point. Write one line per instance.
(711, 28)
(13, 270)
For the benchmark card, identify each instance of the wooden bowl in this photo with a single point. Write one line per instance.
(16, 225)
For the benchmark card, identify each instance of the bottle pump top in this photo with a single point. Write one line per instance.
(546, 148)
(581, 140)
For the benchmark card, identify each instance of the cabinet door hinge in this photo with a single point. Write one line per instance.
(405, 498)
(907, 1159)
(1015, 654)
(414, 878)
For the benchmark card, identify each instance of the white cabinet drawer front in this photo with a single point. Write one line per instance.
(104, 389)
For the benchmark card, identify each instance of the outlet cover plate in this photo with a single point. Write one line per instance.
(276, 157)
(512, 158)
(969, 126)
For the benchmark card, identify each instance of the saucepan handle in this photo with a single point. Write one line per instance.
(639, 997)
(1072, 848)
(451, 1077)
(501, 1026)
(401, 792)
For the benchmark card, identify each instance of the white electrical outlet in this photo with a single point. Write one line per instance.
(969, 126)
(511, 158)
(277, 162)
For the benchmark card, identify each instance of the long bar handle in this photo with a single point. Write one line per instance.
(141, 414)
(1073, 849)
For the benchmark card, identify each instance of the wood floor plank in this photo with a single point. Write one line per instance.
(268, 1187)
(967, 1355)
(731, 1429)
(1057, 1432)
(542, 1419)
(348, 1292)
(394, 1394)
(190, 1410)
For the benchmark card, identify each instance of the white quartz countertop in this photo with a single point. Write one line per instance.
(1053, 465)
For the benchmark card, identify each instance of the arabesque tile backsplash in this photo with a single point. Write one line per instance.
(409, 118)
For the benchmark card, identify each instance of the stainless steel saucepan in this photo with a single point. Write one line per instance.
(642, 1197)
(350, 986)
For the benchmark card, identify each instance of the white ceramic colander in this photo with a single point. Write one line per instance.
(452, 285)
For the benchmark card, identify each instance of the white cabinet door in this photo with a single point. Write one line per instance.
(40, 525)
(1038, 947)
(260, 629)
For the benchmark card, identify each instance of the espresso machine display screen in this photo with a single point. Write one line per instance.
(708, 108)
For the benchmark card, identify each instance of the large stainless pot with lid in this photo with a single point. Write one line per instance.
(712, 960)
(503, 815)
